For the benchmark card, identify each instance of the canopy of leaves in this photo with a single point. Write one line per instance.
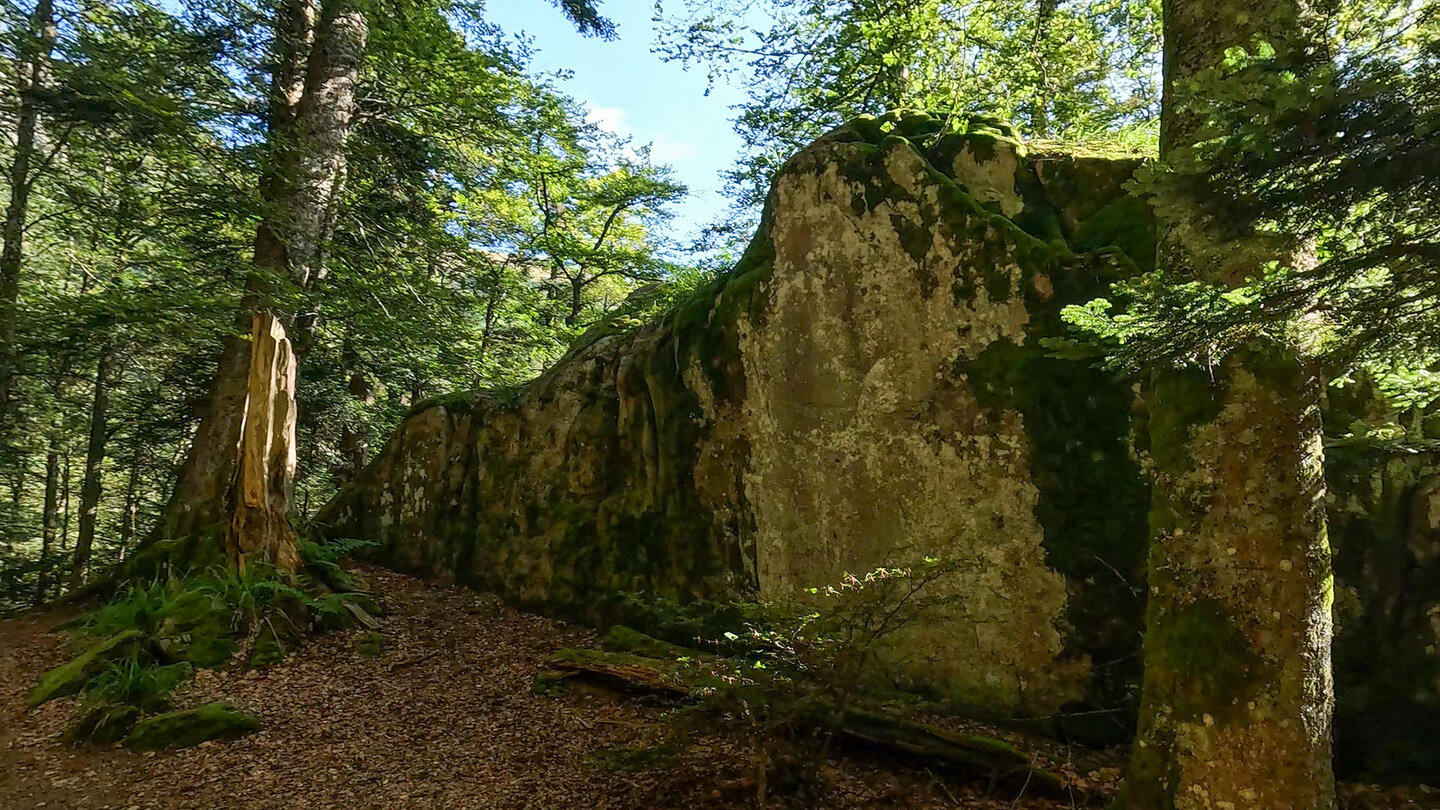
(1060, 70)
(1337, 161)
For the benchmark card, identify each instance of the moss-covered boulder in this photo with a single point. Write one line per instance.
(102, 722)
(874, 383)
(71, 677)
(182, 729)
(867, 386)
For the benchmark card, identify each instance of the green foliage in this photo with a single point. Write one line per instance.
(72, 676)
(332, 550)
(438, 277)
(1062, 70)
(1326, 155)
(137, 606)
(131, 682)
(102, 722)
(791, 680)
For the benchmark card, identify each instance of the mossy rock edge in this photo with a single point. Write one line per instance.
(190, 727)
(71, 677)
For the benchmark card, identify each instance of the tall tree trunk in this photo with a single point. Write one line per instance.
(353, 442)
(1237, 698)
(309, 130)
(34, 57)
(11, 531)
(577, 303)
(132, 503)
(50, 517)
(94, 462)
(65, 500)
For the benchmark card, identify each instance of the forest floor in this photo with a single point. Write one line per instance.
(440, 716)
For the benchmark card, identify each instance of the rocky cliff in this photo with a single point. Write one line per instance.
(869, 386)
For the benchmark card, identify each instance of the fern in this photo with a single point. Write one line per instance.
(332, 551)
(131, 683)
(137, 606)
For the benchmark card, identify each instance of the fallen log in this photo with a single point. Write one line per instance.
(976, 755)
(623, 669)
(992, 758)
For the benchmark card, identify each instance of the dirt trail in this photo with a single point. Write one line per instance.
(443, 717)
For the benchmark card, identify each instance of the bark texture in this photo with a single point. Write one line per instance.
(94, 463)
(1237, 695)
(33, 65)
(259, 527)
(312, 112)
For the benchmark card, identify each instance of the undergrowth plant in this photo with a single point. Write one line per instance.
(175, 622)
(133, 683)
(795, 677)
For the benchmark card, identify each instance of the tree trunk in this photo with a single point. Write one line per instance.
(259, 500)
(34, 55)
(11, 532)
(1236, 700)
(65, 501)
(132, 504)
(94, 462)
(309, 129)
(576, 302)
(354, 445)
(50, 517)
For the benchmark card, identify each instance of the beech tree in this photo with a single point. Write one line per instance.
(1237, 696)
(317, 53)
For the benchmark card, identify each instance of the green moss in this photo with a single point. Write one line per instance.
(371, 645)
(548, 683)
(71, 677)
(454, 402)
(102, 722)
(183, 729)
(1187, 398)
(624, 639)
(197, 626)
(1207, 660)
(1128, 223)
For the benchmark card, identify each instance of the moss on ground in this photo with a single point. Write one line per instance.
(190, 727)
(102, 722)
(71, 677)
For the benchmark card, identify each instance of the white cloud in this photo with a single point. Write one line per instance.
(663, 147)
(613, 119)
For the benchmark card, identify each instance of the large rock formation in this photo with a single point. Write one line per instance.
(869, 386)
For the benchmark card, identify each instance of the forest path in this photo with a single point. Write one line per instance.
(443, 717)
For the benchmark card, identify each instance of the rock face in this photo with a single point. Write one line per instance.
(869, 386)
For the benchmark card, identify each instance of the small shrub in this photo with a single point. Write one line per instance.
(137, 606)
(797, 674)
(130, 682)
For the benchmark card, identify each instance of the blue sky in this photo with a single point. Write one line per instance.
(632, 92)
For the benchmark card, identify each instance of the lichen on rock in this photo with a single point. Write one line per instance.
(868, 386)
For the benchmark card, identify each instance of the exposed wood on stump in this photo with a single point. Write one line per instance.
(259, 526)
